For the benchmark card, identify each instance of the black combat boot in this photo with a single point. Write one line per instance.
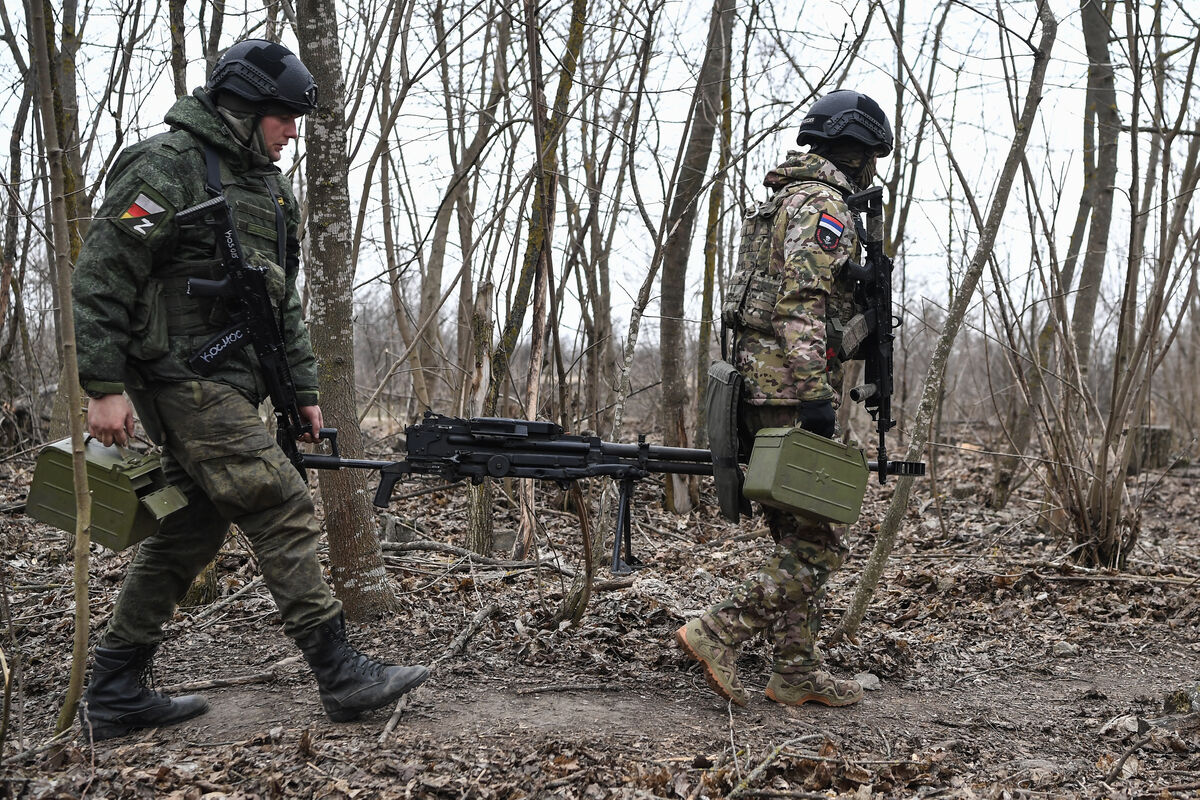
(118, 701)
(350, 682)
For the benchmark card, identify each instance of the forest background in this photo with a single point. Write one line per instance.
(532, 211)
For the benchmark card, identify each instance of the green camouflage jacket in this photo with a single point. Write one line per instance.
(135, 324)
(783, 350)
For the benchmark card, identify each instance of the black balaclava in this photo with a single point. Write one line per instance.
(853, 158)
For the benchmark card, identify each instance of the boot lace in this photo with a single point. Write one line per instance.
(146, 677)
(359, 662)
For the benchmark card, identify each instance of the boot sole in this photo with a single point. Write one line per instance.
(813, 698)
(100, 731)
(710, 677)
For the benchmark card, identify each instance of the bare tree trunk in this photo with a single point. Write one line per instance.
(178, 54)
(681, 494)
(356, 560)
(212, 47)
(546, 167)
(1102, 101)
(61, 232)
(712, 253)
(546, 192)
(479, 505)
(61, 111)
(989, 230)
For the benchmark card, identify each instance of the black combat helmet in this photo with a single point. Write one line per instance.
(844, 112)
(265, 74)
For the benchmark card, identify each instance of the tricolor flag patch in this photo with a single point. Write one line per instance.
(829, 232)
(142, 214)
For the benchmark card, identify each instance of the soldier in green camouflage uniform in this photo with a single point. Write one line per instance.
(784, 316)
(137, 327)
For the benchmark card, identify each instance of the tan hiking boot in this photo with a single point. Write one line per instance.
(719, 661)
(817, 686)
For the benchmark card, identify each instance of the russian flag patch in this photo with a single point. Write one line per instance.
(829, 232)
(142, 215)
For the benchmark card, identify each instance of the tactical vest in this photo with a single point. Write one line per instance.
(753, 290)
(177, 323)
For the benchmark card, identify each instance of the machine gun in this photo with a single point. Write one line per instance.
(496, 447)
(245, 286)
(874, 295)
(456, 448)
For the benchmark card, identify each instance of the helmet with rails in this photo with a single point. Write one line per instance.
(846, 113)
(265, 74)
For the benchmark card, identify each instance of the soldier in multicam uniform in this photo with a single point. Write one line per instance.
(137, 326)
(784, 312)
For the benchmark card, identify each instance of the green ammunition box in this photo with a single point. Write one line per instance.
(130, 495)
(795, 470)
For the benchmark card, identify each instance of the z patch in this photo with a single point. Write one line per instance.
(142, 214)
(829, 232)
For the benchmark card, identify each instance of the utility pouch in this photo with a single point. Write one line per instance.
(722, 397)
(130, 494)
(148, 339)
(846, 338)
(795, 470)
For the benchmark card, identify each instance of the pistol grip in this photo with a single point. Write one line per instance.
(383, 494)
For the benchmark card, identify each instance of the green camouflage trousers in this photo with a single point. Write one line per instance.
(785, 597)
(218, 452)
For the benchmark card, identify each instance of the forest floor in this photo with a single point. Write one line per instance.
(997, 668)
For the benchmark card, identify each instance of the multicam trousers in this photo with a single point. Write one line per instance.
(785, 597)
(219, 453)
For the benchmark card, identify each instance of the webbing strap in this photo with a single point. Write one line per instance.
(212, 179)
(280, 222)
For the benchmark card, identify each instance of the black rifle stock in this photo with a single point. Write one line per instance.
(875, 294)
(253, 322)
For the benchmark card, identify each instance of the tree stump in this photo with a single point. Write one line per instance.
(1152, 446)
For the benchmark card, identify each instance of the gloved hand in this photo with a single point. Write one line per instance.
(818, 417)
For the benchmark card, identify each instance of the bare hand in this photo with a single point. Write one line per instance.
(110, 419)
(312, 415)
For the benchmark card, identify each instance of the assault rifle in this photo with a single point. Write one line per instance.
(253, 322)
(874, 294)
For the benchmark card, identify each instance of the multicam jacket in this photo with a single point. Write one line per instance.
(134, 321)
(780, 337)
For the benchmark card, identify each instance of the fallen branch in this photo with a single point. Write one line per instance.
(465, 635)
(462, 552)
(41, 748)
(224, 602)
(1186, 582)
(1115, 772)
(612, 585)
(743, 785)
(454, 649)
(271, 673)
(570, 687)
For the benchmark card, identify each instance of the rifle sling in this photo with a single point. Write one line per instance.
(216, 187)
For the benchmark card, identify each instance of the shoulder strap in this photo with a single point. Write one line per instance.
(215, 186)
(212, 178)
(280, 222)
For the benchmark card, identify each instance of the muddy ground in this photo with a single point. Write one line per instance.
(997, 668)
